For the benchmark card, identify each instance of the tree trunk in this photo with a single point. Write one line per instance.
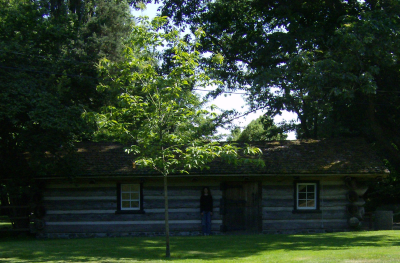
(316, 125)
(303, 125)
(303, 120)
(167, 252)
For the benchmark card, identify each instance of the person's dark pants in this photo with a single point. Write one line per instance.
(206, 223)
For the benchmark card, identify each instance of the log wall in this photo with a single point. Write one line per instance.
(89, 209)
(278, 208)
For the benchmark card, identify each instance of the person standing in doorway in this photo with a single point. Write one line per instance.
(206, 210)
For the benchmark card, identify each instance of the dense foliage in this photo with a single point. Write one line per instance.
(48, 75)
(334, 63)
(49, 51)
(260, 129)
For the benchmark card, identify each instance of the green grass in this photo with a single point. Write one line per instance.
(351, 247)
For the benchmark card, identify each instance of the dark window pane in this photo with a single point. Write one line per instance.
(310, 203)
(126, 196)
(135, 187)
(301, 188)
(302, 203)
(126, 204)
(125, 188)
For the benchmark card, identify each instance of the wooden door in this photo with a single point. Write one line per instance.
(242, 206)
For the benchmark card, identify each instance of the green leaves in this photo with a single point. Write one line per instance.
(325, 58)
(261, 129)
(48, 77)
(155, 104)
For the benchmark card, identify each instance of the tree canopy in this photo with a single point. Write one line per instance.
(260, 129)
(48, 73)
(334, 63)
(49, 51)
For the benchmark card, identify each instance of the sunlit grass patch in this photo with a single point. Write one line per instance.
(352, 247)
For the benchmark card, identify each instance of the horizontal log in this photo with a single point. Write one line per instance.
(79, 185)
(62, 212)
(272, 202)
(274, 182)
(290, 195)
(212, 183)
(329, 214)
(109, 205)
(112, 211)
(127, 228)
(290, 203)
(81, 191)
(174, 204)
(272, 209)
(84, 198)
(179, 190)
(80, 205)
(173, 210)
(126, 217)
(177, 197)
(114, 197)
(194, 191)
(333, 203)
(119, 223)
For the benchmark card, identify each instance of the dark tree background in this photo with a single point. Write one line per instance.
(49, 52)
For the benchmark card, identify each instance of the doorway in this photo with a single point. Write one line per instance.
(241, 209)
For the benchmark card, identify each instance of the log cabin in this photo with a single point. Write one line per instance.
(306, 186)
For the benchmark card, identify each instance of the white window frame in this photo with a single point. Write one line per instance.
(138, 192)
(315, 192)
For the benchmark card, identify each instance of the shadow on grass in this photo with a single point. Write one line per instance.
(207, 248)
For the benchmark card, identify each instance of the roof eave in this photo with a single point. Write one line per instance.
(324, 175)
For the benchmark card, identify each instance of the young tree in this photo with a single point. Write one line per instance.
(158, 101)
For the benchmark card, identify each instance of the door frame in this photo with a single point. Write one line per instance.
(252, 208)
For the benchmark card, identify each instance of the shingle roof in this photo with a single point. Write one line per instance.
(329, 156)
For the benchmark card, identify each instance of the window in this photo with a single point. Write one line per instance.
(306, 196)
(130, 198)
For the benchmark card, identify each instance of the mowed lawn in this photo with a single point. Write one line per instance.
(352, 247)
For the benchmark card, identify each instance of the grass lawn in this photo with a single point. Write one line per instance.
(352, 247)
